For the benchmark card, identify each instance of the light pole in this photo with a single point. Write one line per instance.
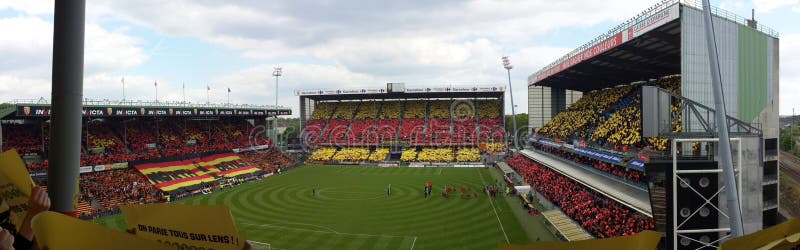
(507, 65)
(123, 89)
(276, 73)
(731, 195)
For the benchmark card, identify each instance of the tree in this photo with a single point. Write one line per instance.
(522, 124)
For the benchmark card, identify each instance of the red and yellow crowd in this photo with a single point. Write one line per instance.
(416, 123)
(426, 154)
(106, 141)
(599, 215)
(107, 190)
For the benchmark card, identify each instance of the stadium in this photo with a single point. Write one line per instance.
(621, 142)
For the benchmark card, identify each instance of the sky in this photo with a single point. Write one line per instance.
(327, 44)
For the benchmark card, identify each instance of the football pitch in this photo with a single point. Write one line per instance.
(351, 209)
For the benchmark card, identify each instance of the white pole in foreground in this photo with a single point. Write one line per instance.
(732, 196)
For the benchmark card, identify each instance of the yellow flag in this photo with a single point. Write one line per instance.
(15, 186)
(185, 225)
(641, 240)
(782, 236)
(56, 231)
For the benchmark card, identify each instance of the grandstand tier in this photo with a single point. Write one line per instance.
(430, 117)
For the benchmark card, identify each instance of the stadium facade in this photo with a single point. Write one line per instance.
(669, 40)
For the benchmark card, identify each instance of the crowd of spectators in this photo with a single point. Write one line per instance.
(354, 154)
(611, 117)
(409, 155)
(429, 154)
(26, 138)
(379, 155)
(415, 123)
(268, 160)
(599, 215)
(322, 154)
(468, 155)
(109, 141)
(107, 190)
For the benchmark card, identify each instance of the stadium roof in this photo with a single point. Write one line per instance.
(645, 47)
(106, 108)
(400, 91)
(649, 56)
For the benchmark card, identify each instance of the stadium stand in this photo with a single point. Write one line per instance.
(322, 154)
(379, 154)
(601, 216)
(340, 126)
(631, 175)
(185, 174)
(108, 190)
(493, 147)
(436, 155)
(409, 155)
(268, 160)
(415, 109)
(611, 118)
(468, 155)
(351, 155)
(25, 138)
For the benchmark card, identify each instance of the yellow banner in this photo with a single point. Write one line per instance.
(56, 231)
(185, 225)
(779, 237)
(641, 240)
(15, 186)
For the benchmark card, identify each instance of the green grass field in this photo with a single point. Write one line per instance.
(352, 211)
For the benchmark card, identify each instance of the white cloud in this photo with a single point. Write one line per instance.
(769, 5)
(256, 85)
(111, 50)
(26, 65)
(789, 73)
(34, 7)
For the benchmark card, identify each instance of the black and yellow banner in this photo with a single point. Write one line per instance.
(784, 236)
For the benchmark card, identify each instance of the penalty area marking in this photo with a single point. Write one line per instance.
(495, 210)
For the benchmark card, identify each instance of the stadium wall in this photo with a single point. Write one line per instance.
(748, 64)
(749, 69)
(544, 103)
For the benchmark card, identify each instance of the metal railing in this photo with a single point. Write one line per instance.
(106, 102)
(697, 4)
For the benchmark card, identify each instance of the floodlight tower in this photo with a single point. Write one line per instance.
(276, 73)
(507, 65)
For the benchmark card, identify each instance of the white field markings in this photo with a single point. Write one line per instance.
(330, 230)
(494, 209)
